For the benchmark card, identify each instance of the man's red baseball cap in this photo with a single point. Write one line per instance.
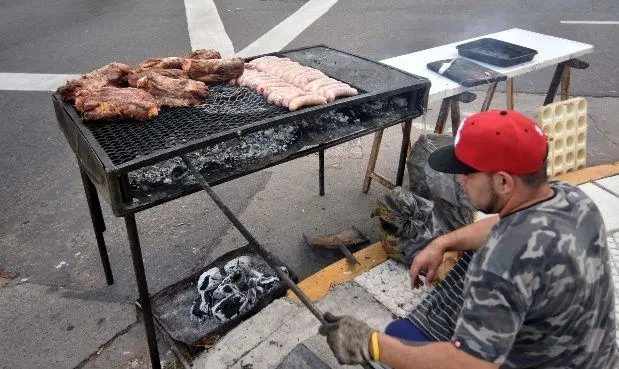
(493, 141)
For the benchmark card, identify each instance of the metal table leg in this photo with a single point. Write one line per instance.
(140, 277)
(321, 172)
(98, 224)
(554, 83)
(406, 138)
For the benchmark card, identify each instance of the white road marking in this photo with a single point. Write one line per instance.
(282, 34)
(33, 81)
(590, 22)
(206, 30)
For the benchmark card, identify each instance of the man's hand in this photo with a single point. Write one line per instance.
(427, 261)
(348, 338)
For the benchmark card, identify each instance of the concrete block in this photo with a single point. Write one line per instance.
(565, 124)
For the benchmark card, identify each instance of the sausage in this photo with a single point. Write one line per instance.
(269, 86)
(336, 92)
(306, 100)
(321, 82)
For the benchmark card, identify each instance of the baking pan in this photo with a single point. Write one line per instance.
(496, 52)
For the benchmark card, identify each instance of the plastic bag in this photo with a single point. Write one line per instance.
(435, 205)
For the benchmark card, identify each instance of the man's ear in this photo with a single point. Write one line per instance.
(503, 183)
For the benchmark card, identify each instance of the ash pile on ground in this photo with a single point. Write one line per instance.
(262, 147)
(229, 294)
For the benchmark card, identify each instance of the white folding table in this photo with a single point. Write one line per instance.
(550, 51)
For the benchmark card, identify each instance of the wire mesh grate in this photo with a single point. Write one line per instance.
(226, 107)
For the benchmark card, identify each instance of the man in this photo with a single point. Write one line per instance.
(538, 292)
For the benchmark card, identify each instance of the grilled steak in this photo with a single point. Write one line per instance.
(114, 103)
(173, 91)
(172, 62)
(203, 54)
(133, 77)
(112, 74)
(213, 70)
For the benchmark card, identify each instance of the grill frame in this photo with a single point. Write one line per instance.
(112, 179)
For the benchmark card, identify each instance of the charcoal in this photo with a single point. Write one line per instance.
(235, 291)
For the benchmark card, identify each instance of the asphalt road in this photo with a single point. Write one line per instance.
(44, 219)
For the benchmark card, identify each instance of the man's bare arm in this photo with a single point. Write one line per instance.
(469, 237)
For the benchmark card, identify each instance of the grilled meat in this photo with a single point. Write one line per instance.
(114, 103)
(203, 54)
(112, 74)
(213, 70)
(133, 77)
(173, 91)
(172, 62)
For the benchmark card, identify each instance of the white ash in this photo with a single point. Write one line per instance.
(233, 292)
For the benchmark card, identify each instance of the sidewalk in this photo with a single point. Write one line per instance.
(376, 296)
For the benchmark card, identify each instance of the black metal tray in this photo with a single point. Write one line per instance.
(466, 72)
(496, 52)
(172, 305)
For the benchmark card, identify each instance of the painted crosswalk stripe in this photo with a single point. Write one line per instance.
(286, 31)
(33, 81)
(206, 30)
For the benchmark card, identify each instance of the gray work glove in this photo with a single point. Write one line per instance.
(348, 338)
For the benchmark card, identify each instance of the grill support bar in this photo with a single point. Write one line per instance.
(98, 224)
(140, 277)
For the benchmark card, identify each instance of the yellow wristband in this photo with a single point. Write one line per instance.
(375, 349)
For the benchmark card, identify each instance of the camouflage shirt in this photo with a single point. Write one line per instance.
(539, 293)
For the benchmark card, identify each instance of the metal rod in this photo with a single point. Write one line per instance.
(489, 95)
(349, 256)
(321, 172)
(367, 181)
(554, 83)
(406, 139)
(253, 242)
(140, 277)
(98, 224)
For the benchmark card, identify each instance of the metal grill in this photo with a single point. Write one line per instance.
(235, 132)
(226, 107)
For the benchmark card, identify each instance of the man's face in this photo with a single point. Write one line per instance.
(480, 190)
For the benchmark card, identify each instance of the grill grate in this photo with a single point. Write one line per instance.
(226, 107)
